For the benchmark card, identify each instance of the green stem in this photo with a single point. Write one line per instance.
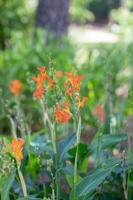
(51, 126)
(13, 128)
(43, 112)
(129, 171)
(57, 176)
(78, 134)
(53, 189)
(53, 134)
(23, 185)
(99, 138)
(53, 139)
(20, 118)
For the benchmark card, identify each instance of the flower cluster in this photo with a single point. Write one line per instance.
(73, 87)
(47, 81)
(72, 83)
(40, 79)
(62, 112)
(16, 148)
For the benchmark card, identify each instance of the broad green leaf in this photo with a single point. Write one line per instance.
(7, 185)
(92, 181)
(41, 144)
(65, 145)
(82, 152)
(108, 141)
(70, 179)
(29, 198)
(88, 196)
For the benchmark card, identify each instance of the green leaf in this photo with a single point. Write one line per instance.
(82, 152)
(65, 145)
(29, 198)
(7, 185)
(70, 179)
(108, 141)
(92, 181)
(84, 165)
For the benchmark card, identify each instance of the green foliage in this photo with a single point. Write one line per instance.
(124, 19)
(90, 10)
(88, 182)
(65, 145)
(13, 16)
(26, 53)
(92, 181)
(108, 141)
(80, 13)
(7, 185)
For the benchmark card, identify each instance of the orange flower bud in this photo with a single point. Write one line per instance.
(15, 87)
(51, 83)
(59, 74)
(81, 102)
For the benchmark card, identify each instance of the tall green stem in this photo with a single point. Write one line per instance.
(23, 185)
(13, 128)
(51, 126)
(78, 135)
(99, 143)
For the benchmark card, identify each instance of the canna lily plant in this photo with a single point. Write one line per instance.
(65, 98)
(59, 106)
(58, 95)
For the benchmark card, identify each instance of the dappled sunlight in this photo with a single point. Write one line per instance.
(91, 34)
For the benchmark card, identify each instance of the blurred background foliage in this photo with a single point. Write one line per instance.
(92, 10)
(14, 16)
(123, 19)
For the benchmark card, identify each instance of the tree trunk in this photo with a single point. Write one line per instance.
(53, 16)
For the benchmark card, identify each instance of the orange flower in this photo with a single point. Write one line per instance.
(59, 74)
(17, 148)
(43, 73)
(42, 69)
(39, 92)
(70, 91)
(15, 87)
(39, 79)
(62, 113)
(73, 80)
(51, 83)
(81, 102)
(99, 112)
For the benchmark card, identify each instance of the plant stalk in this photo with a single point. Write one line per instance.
(23, 185)
(78, 135)
(51, 126)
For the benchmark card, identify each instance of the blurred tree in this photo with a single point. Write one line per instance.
(102, 8)
(53, 15)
